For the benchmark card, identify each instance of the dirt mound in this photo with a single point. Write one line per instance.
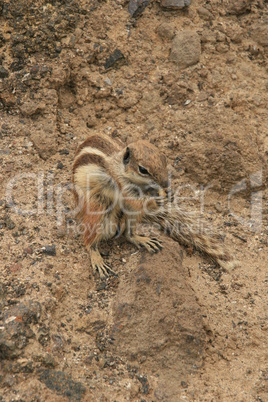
(190, 77)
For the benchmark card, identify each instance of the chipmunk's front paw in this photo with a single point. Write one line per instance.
(152, 245)
(100, 266)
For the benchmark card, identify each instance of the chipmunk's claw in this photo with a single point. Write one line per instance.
(104, 270)
(153, 245)
(100, 266)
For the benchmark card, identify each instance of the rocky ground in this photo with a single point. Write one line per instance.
(172, 327)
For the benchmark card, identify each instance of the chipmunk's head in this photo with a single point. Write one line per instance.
(146, 167)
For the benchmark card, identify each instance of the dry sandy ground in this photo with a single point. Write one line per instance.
(171, 327)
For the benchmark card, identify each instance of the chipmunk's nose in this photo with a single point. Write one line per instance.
(167, 193)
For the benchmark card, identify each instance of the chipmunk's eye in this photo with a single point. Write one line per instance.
(142, 170)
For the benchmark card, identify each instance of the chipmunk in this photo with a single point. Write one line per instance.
(117, 186)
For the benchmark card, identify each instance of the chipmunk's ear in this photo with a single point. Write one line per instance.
(126, 156)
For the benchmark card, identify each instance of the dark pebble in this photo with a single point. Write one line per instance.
(3, 72)
(9, 223)
(114, 58)
(50, 250)
(63, 152)
(60, 165)
(101, 286)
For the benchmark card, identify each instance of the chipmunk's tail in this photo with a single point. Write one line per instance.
(191, 230)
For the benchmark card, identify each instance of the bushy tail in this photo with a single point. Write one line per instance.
(190, 230)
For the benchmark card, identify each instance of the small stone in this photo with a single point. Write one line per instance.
(175, 4)
(9, 223)
(49, 250)
(108, 81)
(238, 7)
(91, 121)
(208, 36)
(186, 49)
(114, 59)
(64, 151)
(60, 165)
(187, 102)
(222, 48)
(204, 13)
(166, 31)
(136, 7)
(3, 72)
(218, 207)
(28, 250)
(49, 361)
(32, 107)
(202, 97)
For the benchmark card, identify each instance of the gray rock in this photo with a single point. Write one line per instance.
(175, 4)
(186, 49)
(136, 7)
(63, 384)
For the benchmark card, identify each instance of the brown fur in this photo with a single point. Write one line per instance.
(143, 152)
(91, 222)
(87, 159)
(101, 143)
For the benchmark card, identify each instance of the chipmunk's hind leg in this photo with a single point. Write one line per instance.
(92, 237)
(98, 264)
(153, 245)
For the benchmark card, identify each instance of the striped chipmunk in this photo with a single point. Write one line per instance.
(117, 186)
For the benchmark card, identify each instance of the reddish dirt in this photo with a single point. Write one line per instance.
(172, 327)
